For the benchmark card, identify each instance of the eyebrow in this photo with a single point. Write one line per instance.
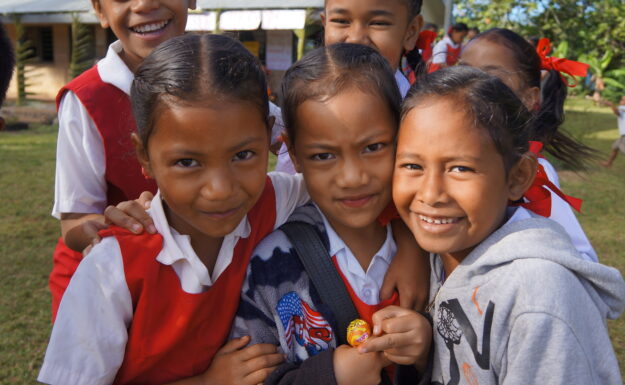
(375, 12)
(362, 142)
(244, 143)
(413, 156)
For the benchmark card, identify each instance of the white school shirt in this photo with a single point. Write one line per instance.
(621, 120)
(366, 284)
(89, 337)
(80, 182)
(562, 213)
(284, 164)
(439, 53)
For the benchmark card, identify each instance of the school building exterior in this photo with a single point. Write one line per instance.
(277, 31)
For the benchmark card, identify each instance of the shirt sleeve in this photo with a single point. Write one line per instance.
(291, 193)
(543, 349)
(89, 336)
(439, 54)
(80, 184)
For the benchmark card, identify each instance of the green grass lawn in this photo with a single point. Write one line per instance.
(28, 233)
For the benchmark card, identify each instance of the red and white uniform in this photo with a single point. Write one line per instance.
(182, 314)
(445, 52)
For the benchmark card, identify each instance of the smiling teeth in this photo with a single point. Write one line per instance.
(438, 221)
(150, 27)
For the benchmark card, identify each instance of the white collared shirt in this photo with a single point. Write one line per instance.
(89, 337)
(80, 181)
(366, 284)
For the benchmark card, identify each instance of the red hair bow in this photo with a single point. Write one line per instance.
(562, 65)
(538, 196)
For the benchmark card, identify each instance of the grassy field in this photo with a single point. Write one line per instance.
(28, 233)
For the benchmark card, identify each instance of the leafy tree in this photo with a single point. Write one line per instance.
(82, 48)
(24, 52)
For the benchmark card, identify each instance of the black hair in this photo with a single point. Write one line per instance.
(414, 7)
(459, 27)
(486, 100)
(474, 29)
(550, 116)
(327, 71)
(192, 68)
(7, 62)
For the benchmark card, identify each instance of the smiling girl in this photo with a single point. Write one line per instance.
(157, 308)
(513, 301)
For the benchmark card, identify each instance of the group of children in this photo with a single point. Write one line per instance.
(211, 287)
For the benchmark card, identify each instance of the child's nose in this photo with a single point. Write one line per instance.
(357, 34)
(352, 174)
(431, 190)
(139, 6)
(218, 186)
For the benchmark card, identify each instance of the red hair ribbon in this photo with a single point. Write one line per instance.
(562, 65)
(538, 196)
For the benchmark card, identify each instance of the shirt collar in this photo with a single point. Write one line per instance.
(386, 251)
(402, 83)
(114, 71)
(177, 246)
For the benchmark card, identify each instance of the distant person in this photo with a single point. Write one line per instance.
(447, 51)
(619, 144)
(421, 55)
(7, 63)
(473, 32)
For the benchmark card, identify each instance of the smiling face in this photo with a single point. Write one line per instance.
(141, 25)
(344, 148)
(497, 60)
(380, 24)
(210, 165)
(450, 185)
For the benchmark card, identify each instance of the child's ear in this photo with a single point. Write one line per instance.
(292, 155)
(97, 8)
(322, 15)
(192, 4)
(412, 33)
(531, 98)
(142, 154)
(521, 176)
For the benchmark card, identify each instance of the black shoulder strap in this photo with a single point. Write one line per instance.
(318, 264)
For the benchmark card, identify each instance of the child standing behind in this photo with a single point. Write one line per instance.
(619, 144)
(96, 165)
(342, 110)
(157, 308)
(513, 302)
(390, 27)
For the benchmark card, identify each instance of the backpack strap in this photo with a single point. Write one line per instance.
(318, 264)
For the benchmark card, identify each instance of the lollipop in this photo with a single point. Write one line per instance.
(357, 332)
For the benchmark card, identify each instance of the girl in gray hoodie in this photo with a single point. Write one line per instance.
(513, 302)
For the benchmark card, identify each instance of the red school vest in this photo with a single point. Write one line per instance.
(174, 334)
(366, 311)
(452, 57)
(110, 109)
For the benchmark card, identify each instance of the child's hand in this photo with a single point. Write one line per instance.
(239, 365)
(403, 335)
(132, 215)
(353, 367)
(409, 272)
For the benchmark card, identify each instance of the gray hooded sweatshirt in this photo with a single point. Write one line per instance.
(525, 308)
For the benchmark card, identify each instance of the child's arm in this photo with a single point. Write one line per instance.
(403, 335)
(409, 272)
(80, 230)
(235, 364)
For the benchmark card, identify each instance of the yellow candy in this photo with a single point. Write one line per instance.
(357, 332)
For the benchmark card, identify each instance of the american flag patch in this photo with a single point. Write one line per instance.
(303, 325)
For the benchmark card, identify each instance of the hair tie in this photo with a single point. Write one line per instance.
(538, 196)
(561, 65)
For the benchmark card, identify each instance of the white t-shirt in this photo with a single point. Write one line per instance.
(366, 284)
(562, 213)
(89, 337)
(284, 164)
(439, 53)
(80, 181)
(621, 120)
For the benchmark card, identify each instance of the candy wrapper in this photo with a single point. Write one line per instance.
(357, 332)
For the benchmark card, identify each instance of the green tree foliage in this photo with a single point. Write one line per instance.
(82, 48)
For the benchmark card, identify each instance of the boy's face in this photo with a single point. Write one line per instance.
(381, 24)
(345, 149)
(141, 25)
(622, 102)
